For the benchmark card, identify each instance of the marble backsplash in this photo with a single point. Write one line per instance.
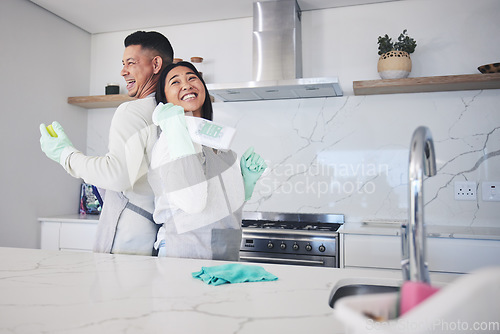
(350, 154)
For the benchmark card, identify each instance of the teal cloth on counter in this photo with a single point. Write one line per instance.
(233, 273)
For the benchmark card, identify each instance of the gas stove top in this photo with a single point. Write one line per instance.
(292, 221)
(314, 226)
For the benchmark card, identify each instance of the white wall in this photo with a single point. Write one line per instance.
(350, 154)
(47, 59)
(44, 60)
(453, 37)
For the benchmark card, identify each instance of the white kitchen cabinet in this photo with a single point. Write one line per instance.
(461, 255)
(446, 252)
(71, 232)
(372, 251)
(50, 235)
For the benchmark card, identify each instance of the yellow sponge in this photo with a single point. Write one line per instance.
(51, 131)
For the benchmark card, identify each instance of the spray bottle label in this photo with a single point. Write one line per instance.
(211, 130)
(208, 133)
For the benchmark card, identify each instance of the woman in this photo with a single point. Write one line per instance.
(199, 191)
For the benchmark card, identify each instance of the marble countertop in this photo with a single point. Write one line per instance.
(46, 291)
(433, 231)
(381, 227)
(71, 218)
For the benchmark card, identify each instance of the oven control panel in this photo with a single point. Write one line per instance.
(309, 246)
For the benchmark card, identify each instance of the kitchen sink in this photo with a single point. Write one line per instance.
(469, 300)
(357, 286)
(359, 289)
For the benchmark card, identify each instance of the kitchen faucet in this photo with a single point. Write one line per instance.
(413, 237)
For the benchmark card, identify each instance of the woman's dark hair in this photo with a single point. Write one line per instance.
(206, 109)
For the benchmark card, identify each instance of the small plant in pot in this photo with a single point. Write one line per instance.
(395, 61)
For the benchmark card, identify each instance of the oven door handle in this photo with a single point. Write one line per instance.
(281, 260)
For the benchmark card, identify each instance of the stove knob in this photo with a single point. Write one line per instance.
(322, 248)
(283, 245)
(270, 245)
(309, 247)
(295, 247)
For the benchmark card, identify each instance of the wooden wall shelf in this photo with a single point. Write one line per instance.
(99, 101)
(428, 84)
(103, 101)
(366, 87)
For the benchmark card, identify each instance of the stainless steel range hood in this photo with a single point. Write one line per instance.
(277, 60)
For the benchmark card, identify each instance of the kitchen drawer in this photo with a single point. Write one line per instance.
(372, 251)
(50, 235)
(451, 255)
(461, 255)
(77, 236)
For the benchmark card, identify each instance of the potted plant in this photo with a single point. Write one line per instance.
(395, 61)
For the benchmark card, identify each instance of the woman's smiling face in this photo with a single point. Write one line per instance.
(185, 89)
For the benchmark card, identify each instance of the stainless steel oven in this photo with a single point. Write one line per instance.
(291, 238)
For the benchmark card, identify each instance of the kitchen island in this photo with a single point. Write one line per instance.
(47, 291)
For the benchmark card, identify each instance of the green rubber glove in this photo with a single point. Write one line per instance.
(170, 118)
(53, 146)
(252, 166)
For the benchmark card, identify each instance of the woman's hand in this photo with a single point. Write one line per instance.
(172, 122)
(252, 166)
(163, 112)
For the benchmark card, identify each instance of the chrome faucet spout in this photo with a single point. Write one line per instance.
(413, 238)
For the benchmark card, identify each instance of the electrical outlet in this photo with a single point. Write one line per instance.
(465, 191)
(491, 191)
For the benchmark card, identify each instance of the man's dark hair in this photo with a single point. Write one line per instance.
(152, 40)
(206, 109)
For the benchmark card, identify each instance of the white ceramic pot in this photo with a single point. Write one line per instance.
(394, 65)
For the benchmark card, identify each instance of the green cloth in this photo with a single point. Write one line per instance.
(233, 273)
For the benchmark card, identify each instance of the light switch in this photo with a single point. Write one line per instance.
(491, 191)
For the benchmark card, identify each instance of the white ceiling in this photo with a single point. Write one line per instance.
(99, 16)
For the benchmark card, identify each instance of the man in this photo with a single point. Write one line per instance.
(126, 225)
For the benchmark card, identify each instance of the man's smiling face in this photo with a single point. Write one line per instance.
(138, 71)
